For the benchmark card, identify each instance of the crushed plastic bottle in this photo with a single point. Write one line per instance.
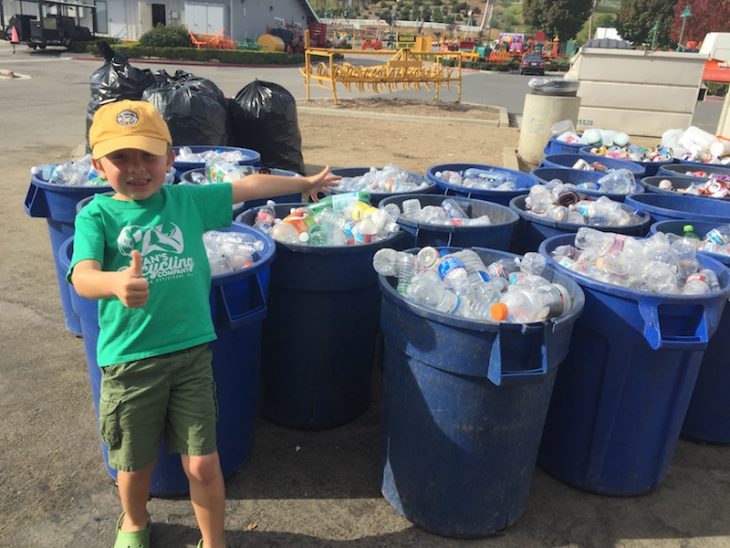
(230, 251)
(450, 213)
(389, 179)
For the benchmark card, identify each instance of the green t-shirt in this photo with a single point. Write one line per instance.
(167, 229)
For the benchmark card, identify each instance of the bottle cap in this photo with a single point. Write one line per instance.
(688, 228)
(499, 311)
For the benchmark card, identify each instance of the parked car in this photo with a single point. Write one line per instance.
(533, 63)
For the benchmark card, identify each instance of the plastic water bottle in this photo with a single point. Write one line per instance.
(265, 216)
(365, 231)
(411, 208)
(597, 242)
(428, 258)
(405, 270)
(688, 231)
(532, 305)
(455, 212)
(501, 269)
(428, 289)
(533, 263)
(454, 275)
(479, 300)
(384, 261)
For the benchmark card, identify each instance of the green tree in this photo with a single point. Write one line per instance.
(563, 18)
(706, 17)
(636, 19)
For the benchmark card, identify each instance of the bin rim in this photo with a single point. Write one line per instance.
(637, 169)
(704, 226)
(718, 169)
(679, 178)
(46, 185)
(425, 186)
(514, 217)
(641, 202)
(624, 292)
(586, 151)
(320, 249)
(531, 217)
(552, 324)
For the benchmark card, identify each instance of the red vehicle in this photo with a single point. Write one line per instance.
(532, 63)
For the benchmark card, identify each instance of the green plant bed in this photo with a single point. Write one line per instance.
(83, 47)
(716, 88)
(243, 57)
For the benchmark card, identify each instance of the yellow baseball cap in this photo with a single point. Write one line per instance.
(128, 124)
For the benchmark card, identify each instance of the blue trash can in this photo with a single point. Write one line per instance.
(375, 197)
(554, 146)
(251, 158)
(524, 182)
(533, 229)
(464, 404)
(650, 168)
(568, 160)
(687, 168)
(320, 333)
(708, 414)
(238, 307)
(665, 207)
(57, 204)
(622, 392)
(187, 177)
(497, 235)
(651, 184)
(577, 177)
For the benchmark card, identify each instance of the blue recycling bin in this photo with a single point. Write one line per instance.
(650, 168)
(554, 146)
(464, 404)
(651, 184)
(688, 168)
(568, 160)
(665, 207)
(320, 334)
(496, 235)
(238, 307)
(524, 182)
(533, 229)
(708, 414)
(188, 178)
(577, 177)
(57, 204)
(621, 394)
(251, 158)
(427, 187)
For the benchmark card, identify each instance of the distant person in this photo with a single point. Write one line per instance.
(140, 253)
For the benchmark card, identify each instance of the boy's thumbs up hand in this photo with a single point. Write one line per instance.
(132, 289)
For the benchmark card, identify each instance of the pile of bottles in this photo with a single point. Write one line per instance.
(231, 251)
(449, 213)
(716, 240)
(79, 172)
(389, 179)
(336, 220)
(634, 153)
(616, 181)
(460, 284)
(185, 154)
(564, 131)
(557, 201)
(482, 179)
(697, 145)
(715, 187)
(662, 263)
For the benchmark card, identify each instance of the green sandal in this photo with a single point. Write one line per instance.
(133, 539)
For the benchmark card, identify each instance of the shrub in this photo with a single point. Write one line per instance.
(716, 88)
(170, 36)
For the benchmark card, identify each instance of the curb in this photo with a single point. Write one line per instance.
(185, 62)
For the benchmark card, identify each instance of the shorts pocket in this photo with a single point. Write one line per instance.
(109, 427)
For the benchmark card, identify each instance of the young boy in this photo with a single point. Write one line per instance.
(155, 322)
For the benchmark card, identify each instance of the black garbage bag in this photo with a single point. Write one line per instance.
(264, 119)
(194, 108)
(114, 81)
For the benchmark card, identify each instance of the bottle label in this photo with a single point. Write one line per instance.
(447, 265)
(495, 270)
(516, 277)
(360, 209)
(716, 236)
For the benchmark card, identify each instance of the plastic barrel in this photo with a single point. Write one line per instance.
(650, 168)
(464, 404)
(187, 177)
(686, 168)
(577, 177)
(319, 337)
(708, 414)
(554, 146)
(251, 157)
(533, 229)
(665, 207)
(651, 184)
(238, 307)
(622, 392)
(568, 160)
(524, 182)
(57, 204)
(376, 197)
(497, 235)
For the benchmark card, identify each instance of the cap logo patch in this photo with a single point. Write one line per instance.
(127, 118)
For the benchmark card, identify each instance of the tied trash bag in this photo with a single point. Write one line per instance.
(194, 108)
(264, 118)
(114, 81)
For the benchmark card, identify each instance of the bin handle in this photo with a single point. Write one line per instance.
(501, 377)
(36, 203)
(653, 331)
(255, 314)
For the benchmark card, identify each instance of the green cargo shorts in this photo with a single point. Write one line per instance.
(171, 395)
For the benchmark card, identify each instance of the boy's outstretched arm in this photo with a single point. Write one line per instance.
(127, 285)
(258, 185)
